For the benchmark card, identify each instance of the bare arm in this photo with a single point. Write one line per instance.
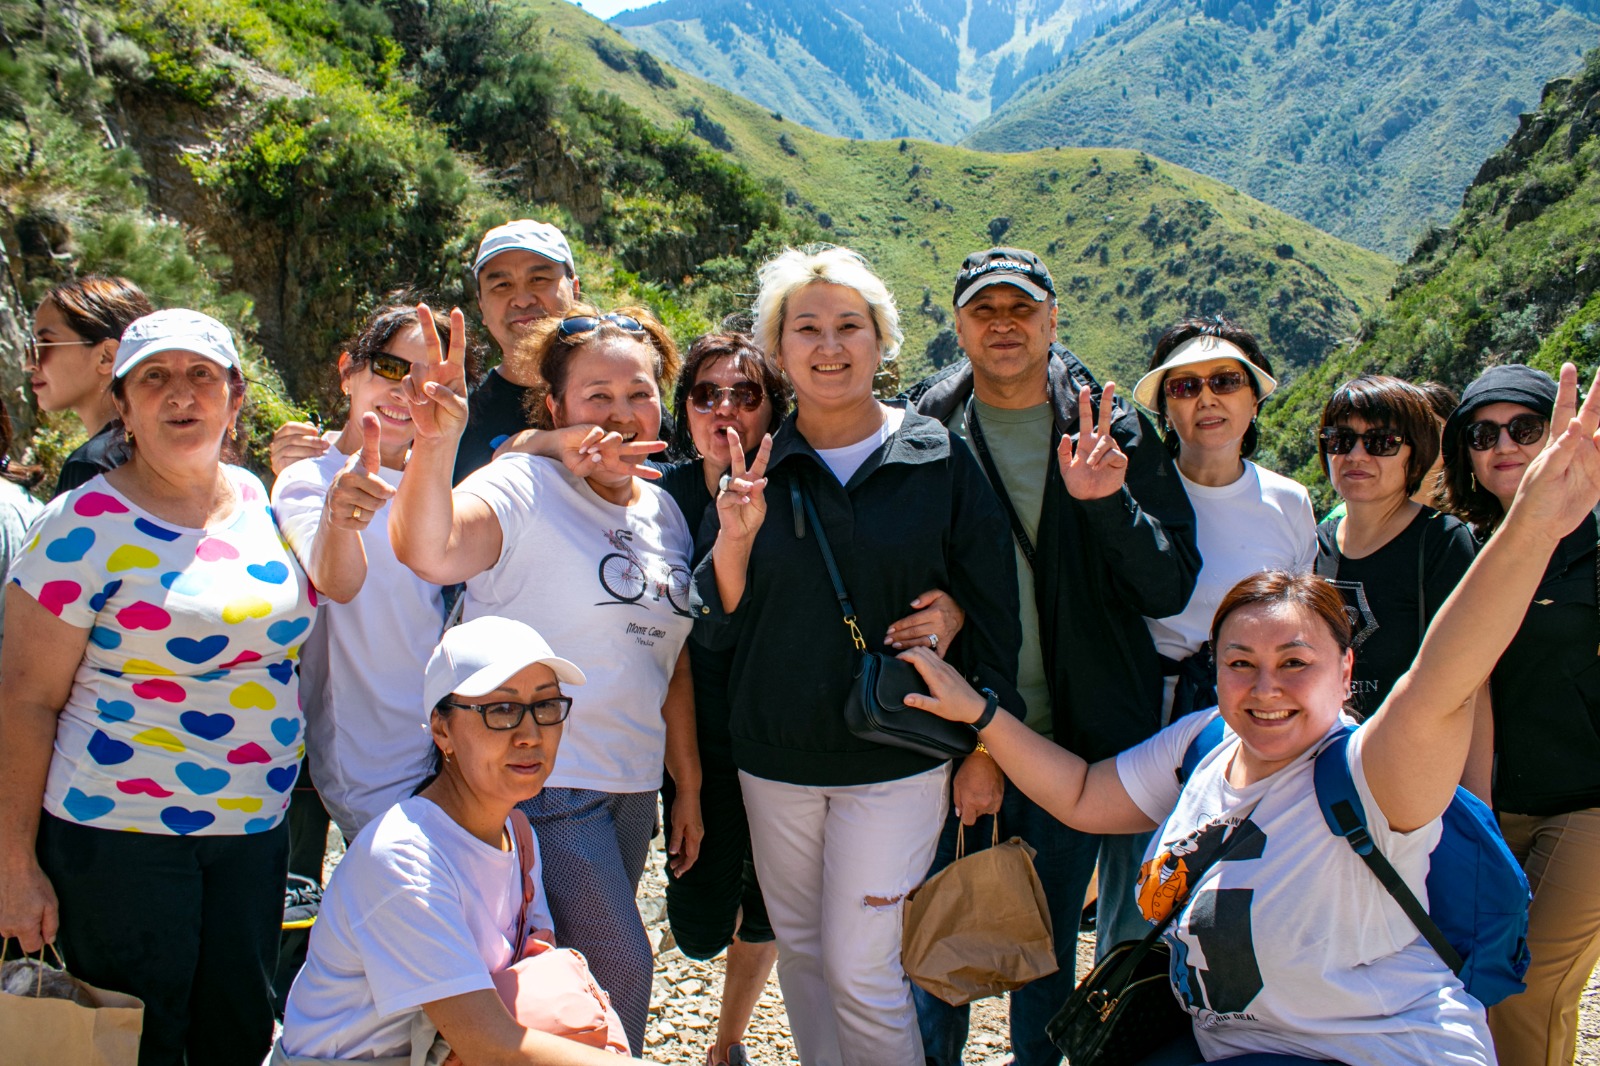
(336, 561)
(39, 660)
(1089, 798)
(1431, 708)
(587, 451)
(683, 763)
(481, 1031)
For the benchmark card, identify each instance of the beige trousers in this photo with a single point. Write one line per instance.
(1561, 855)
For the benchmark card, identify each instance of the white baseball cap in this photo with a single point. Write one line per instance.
(524, 234)
(1202, 349)
(477, 657)
(175, 330)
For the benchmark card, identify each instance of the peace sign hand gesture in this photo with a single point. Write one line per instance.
(437, 395)
(1562, 485)
(1093, 467)
(358, 492)
(742, 500)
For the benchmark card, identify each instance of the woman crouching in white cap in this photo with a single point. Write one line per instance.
(431, 900)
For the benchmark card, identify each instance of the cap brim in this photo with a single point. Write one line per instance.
(1147, 392)
(493, 676)
(1038, 292)
(175, 345)
(543, 253)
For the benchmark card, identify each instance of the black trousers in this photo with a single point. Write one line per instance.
(190, 925)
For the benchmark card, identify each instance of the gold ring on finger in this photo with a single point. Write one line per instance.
(356, 514)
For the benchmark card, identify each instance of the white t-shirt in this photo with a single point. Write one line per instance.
(844, 462)
(1263, 521)
(608, 587)
(361, 667)
(418, 910)
(1290, 944)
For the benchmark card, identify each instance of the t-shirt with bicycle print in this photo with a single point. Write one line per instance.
(608, 587)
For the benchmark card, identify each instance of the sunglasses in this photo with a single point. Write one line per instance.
(708, 396)
(1524, 429)
(1379, 443)
(579, 324)
(389, 367)
(34, 355)
(508, 714)
(1187, 388)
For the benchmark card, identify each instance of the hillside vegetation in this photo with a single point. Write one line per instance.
(1365, 117)
(285, 163)
(860, 68)
(1514, 278)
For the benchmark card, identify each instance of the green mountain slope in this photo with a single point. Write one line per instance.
(1514, 278)
(1134, 242)
(1364, 117)
(858, 68)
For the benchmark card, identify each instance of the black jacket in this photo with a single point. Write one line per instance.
(918, 515)
(1103, 566)
(1546, 690)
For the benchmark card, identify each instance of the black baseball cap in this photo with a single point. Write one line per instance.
(1003, 266)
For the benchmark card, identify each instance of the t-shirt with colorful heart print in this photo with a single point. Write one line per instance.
(184, 717)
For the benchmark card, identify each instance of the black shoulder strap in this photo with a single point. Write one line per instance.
(981, 446)
(802, 500)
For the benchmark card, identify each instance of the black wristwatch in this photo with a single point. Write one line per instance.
(990, 705)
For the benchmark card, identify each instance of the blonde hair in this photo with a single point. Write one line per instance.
(795, 268)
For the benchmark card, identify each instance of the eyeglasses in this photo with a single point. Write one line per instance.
(1524, 429)
(1379, 443)
(1188, 387)
(33, 355)
(508, 714)
(708, 396)
(578, 324)
(389, 367)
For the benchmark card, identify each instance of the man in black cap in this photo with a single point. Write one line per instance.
(1098, 547)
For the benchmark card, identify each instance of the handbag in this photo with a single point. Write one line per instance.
(875, 709)
(1126, 1010)
(959, 952)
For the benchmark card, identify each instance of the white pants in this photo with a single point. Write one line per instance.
(835, 864)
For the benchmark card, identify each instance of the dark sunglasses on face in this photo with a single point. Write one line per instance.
(707, 396)
(1379, 443)
(508, 714)
(579, 324)
(389, 367)
(1524, 429)
(1188, 387)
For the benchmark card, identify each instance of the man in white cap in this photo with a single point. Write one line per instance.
(1097, 550)
(524, 272)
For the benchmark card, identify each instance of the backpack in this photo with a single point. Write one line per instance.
(1479, 920)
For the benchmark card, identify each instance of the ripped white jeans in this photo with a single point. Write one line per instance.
(834, 864)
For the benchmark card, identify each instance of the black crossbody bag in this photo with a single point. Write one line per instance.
(876, 710)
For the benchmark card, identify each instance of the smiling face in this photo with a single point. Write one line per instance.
(501, 766)
(1281, 682)
(1359, 476)
(178, 406)
(829, 347)
(1499, 470)
(517, 288)
(70, 372)
(1007, 334)
(370, 391)
(1209, 423)
(611, 383)
(710, 431)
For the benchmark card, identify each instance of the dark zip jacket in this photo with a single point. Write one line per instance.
(917, 515)
(1546, 690)
(1103, 566)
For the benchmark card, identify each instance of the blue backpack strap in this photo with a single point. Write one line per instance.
(1343, 811)
(1201, 746)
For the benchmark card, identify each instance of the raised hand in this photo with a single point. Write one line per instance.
(936, 620)
(588, 451)
(1093, 466)
(358, 491)
(437, 395)
(1563, 484)
(295, 441)
(742, 501)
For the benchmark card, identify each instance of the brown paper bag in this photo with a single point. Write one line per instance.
(980, 926)
(60, 1032)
